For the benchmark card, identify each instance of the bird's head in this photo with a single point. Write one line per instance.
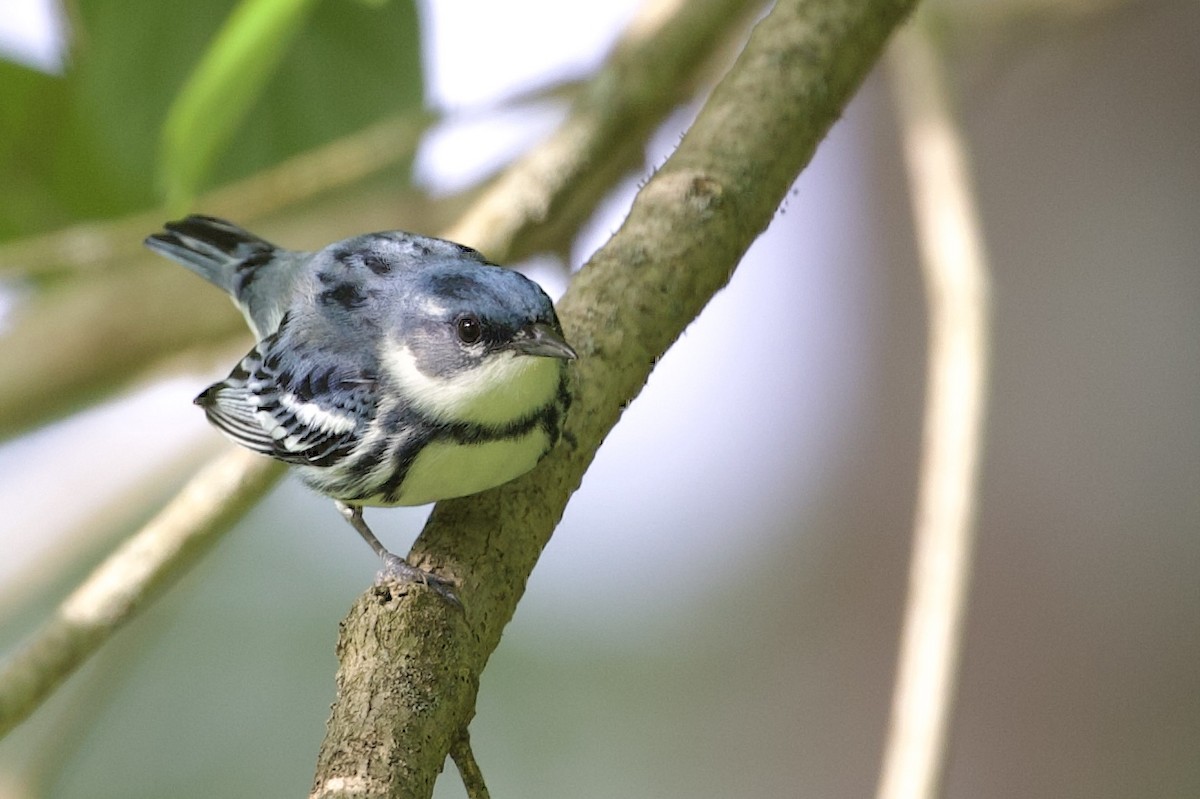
(463, 340)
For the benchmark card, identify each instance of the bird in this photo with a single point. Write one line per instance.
(389, 368)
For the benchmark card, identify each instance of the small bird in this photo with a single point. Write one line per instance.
(390, 369)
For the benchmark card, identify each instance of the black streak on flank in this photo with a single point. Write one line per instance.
(271, 362)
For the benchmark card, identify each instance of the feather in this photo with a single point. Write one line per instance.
(309, 411)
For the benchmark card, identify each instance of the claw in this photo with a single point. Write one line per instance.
(397, 570)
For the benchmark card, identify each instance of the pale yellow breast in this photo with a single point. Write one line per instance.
(447, 469)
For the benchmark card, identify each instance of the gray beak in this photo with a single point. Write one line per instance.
(541, 339)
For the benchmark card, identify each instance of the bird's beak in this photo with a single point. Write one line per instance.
(541, 339)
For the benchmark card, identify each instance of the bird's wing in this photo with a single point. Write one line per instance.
(309, 410)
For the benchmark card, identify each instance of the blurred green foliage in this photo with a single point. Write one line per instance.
(287, 77)
(223, 88)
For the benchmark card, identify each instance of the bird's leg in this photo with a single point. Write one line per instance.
(395, 568)
(353, 514)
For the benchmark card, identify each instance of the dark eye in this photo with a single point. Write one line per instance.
(469, 329)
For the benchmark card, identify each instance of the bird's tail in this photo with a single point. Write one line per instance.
(218, 251)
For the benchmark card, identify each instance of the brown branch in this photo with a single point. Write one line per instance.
(468, 769)
(538, 203)
(956, 281)
(412, 662)
(71, 343)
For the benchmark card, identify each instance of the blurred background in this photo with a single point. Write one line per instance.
(718, 613)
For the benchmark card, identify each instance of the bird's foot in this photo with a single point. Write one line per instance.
(397, 570)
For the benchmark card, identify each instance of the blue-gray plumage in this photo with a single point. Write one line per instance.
(390, 368)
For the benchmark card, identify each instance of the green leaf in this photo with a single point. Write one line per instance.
(86, 144)
(223, 89)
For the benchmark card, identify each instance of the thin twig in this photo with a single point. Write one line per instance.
(92, 246)
(468, 768)
(956, 283)
(140, 568)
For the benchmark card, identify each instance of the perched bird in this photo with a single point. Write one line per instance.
(390, 368)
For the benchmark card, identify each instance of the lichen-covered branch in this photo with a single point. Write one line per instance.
(685, 234)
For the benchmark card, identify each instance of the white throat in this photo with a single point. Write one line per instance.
(506, 387)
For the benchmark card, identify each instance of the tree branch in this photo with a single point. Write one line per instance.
(956, 281)
(125, 582)
(411, 662)
(537, 204)
(468, 769)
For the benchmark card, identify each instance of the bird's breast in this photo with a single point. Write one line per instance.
(447, 468)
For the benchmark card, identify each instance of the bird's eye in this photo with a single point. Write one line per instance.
(469, 329)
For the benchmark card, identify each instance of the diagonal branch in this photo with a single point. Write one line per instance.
(410, 665)
(539, 203)
(130, 578)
